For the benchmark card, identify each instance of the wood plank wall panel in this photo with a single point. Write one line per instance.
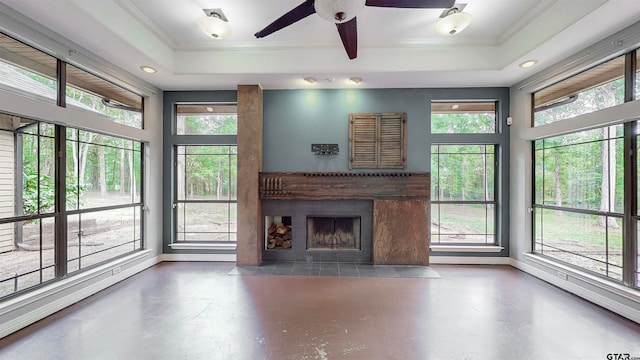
(401, 232)
(249, 249)
(337, 186)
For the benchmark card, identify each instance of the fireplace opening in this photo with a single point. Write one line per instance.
(333, 232)
(277, 232)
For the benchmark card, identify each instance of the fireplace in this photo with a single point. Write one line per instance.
(333, 232)
(320, 230)
(392, 208)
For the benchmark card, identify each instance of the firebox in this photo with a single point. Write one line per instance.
(333, 232)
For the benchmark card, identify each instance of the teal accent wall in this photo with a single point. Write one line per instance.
(295, 119)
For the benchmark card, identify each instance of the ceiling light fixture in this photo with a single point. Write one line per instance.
(338, 11)
(528, 63)
(215, 24)
(148, 69)
(355, 80)
(310, 80)
(453, 21)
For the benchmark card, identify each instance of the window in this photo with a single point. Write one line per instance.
(448, 117)
(89, 92)
(206, 119)
(104, 185)
(102, 211)
(463, 194)
(378, 141)
(206, 193)
(579, 195)
(27, 71)
(597, 88)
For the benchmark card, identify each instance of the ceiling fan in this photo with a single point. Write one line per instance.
(343, 14)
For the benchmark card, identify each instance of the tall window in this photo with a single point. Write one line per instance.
(583, 209)
(205, 173)
(463, 173)
(579, 199)
(463, 194)
(102, 211)
(206, 193)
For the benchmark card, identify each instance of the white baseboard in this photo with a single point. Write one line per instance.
(108, 271)
(630, 313)
(198, 257)
(470, 260)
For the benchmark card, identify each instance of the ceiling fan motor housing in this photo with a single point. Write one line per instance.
(338, 11)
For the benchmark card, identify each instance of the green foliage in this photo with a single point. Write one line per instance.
(30, 196)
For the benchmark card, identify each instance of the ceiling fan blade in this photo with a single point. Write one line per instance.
(298, 13)
(349, 35)
(411, 4)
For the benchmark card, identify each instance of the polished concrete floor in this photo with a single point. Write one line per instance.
(200, 311)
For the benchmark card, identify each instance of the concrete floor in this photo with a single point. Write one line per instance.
(200, 311)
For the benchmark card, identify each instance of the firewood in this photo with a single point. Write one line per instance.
(287, 236)
(286, 244)
(279, 241)
(282, 229)
(271, 244)
(272, 228)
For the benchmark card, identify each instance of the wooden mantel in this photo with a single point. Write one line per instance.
(401, 220)
(340, 186)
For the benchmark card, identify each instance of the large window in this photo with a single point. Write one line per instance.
(464, 171)
(463, 194)
(205, 173)
(206, 193)
(579, 194)
(584, 188)
(49, 231)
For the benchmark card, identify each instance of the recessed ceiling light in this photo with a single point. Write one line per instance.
(455, 107)
(310, 80)
(355, 80)
(528, 63)
(148, 69)
(209, 109)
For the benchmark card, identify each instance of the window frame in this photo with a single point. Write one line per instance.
(500, 140)
(630, 216)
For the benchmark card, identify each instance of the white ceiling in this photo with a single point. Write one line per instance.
(397, 47)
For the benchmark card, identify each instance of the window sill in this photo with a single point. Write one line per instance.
(197, 246)
(567, 272)
(467, 248)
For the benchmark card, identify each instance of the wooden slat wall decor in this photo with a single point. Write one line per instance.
(377, 141)
(340, 186)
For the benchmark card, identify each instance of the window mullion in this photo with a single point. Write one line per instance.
(60, 201)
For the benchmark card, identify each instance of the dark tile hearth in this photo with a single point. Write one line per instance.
(303, 268)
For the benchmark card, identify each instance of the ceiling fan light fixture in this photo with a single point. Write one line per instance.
(338, 11)
(215, 24)
(453, 22)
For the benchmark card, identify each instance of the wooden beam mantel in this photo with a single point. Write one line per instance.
(340, 186)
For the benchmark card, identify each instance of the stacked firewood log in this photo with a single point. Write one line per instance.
(279, 236)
